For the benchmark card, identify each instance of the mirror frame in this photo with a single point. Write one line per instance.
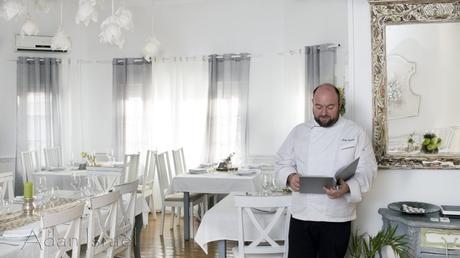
(394, 12)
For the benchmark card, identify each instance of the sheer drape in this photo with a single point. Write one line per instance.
(131, 85)
(228, 106)
(38, 108)
(320, 63)
(179, 103)
(295, 87)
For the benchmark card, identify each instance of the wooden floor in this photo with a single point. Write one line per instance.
(172, 244)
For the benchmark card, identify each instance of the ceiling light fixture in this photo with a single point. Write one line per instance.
(86, 12)
(29, 27)
(152, 45)
(11, 9)
(61, 40)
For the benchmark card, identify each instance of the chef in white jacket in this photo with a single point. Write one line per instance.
(321, 223)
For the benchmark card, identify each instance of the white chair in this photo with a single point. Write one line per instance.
(6, 185)
(180, 167)
(102, 157)
(130, 168)
(102, 225)
(176, 199)
(53, 157)
(179, 161)
(125, 220)
(263, 245)
(61, 243)
(146, 189)
(30, 164)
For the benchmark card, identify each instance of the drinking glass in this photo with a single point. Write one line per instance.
(41, 186)
(266, 184)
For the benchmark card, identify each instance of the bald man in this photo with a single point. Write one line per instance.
(321, 223)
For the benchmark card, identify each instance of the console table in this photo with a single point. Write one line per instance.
(427, 238)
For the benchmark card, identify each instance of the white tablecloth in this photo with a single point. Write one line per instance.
(31, 249)
(221, 223)
(217, 182)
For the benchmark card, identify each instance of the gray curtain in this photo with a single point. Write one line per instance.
(228, 106)
(38, 123)
(320, 63)
(131, 78)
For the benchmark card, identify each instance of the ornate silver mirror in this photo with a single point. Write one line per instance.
(416, 83)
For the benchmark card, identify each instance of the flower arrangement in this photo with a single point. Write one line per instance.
(90, 159)
(226, 164)
(430, 143)
(342, 109)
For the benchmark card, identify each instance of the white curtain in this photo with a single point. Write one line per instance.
(228, 107)
(178, 107)
(294, 78)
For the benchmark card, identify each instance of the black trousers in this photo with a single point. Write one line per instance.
(312, 239)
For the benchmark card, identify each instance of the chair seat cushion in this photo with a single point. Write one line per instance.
(180, 197)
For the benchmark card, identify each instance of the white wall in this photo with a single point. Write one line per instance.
(260, 27)
(437, 187)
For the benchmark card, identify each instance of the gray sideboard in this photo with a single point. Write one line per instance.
(427, 238)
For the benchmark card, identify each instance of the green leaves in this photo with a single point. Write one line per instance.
(364, 245)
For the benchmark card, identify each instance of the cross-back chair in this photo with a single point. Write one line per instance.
(61, 243)
(261, 243)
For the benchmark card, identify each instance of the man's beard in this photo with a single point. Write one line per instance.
(328, 123)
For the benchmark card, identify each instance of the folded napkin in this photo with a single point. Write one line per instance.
(55, 169)
(247, 171)
(198, 170)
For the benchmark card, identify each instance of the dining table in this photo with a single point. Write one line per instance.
(214, 182)
(19, 233)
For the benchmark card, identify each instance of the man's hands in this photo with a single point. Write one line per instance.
(293, 182)
(337, 192)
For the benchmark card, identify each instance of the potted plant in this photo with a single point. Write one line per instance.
(430, 143)
(366, 246)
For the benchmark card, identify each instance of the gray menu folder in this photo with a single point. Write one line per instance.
(314, 184)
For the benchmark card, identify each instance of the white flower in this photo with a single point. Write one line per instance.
(11, 9)
(86, 12)
(29, 28)
(61, 41)
(151, 48)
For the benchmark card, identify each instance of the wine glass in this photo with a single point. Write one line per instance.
(266, 184)
(41, 186)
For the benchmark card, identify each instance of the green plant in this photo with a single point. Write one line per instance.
(364, 245)
(342, 109)
(90, 159)
(430, 143)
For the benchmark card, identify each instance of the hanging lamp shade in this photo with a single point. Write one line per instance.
(61, 41)
(29, 28)
(124, 18)
(111, 32)
(86, 12)
(151, 48)
(11, 9)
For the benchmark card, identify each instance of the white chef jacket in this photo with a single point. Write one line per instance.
(314, 150)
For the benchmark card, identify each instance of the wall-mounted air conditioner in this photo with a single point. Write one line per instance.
(34, 43)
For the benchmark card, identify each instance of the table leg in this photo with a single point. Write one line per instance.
(222, 248)
(137, 235)
(186, 216)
